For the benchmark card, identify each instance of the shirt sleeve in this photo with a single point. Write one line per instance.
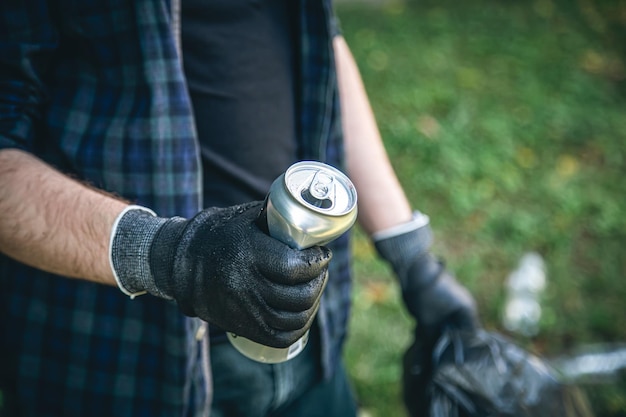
(334, 24)
(28, 40)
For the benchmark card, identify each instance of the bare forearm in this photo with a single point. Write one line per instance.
(52, 222)
(382, 202)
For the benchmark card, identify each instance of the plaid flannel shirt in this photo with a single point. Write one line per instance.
(96, 88)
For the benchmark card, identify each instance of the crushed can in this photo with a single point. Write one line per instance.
(310, 204)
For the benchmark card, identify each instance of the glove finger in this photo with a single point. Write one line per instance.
(277, 330)
(285, 338)
(294, 298)
(294, 266)
(271, 337)
(463, 319)
(291, 320)
(436, 303)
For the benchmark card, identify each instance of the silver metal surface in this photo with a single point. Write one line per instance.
(310, 204)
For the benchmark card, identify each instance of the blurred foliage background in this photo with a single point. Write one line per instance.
(506, 123)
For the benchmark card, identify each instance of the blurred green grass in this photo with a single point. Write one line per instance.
(506, 123)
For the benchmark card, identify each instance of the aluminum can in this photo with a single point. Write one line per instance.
(309, 204)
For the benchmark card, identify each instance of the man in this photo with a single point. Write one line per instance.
(95, 103)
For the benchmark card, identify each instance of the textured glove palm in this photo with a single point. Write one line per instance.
(220, 267)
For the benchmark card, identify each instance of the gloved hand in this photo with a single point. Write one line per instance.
(220, 267)
(436, 299)
(439, 303)
(431, 293)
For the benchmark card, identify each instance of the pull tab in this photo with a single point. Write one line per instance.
(321, 191)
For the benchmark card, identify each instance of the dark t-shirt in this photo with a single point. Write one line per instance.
(240, 62)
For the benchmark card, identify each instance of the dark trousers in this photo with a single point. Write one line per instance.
(245, 388)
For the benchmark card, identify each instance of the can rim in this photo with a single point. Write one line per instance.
(343, 179)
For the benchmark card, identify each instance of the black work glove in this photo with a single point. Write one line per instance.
(442, 305)
(436, 299)
(220, 267)
(431, 293)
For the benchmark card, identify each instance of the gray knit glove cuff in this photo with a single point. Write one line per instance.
(129, 251)
(402, 244)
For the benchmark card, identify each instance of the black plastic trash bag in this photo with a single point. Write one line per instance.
(483, 374)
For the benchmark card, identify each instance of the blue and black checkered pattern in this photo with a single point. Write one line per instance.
(96, 88)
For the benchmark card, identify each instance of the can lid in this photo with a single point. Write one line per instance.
(321, 188)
